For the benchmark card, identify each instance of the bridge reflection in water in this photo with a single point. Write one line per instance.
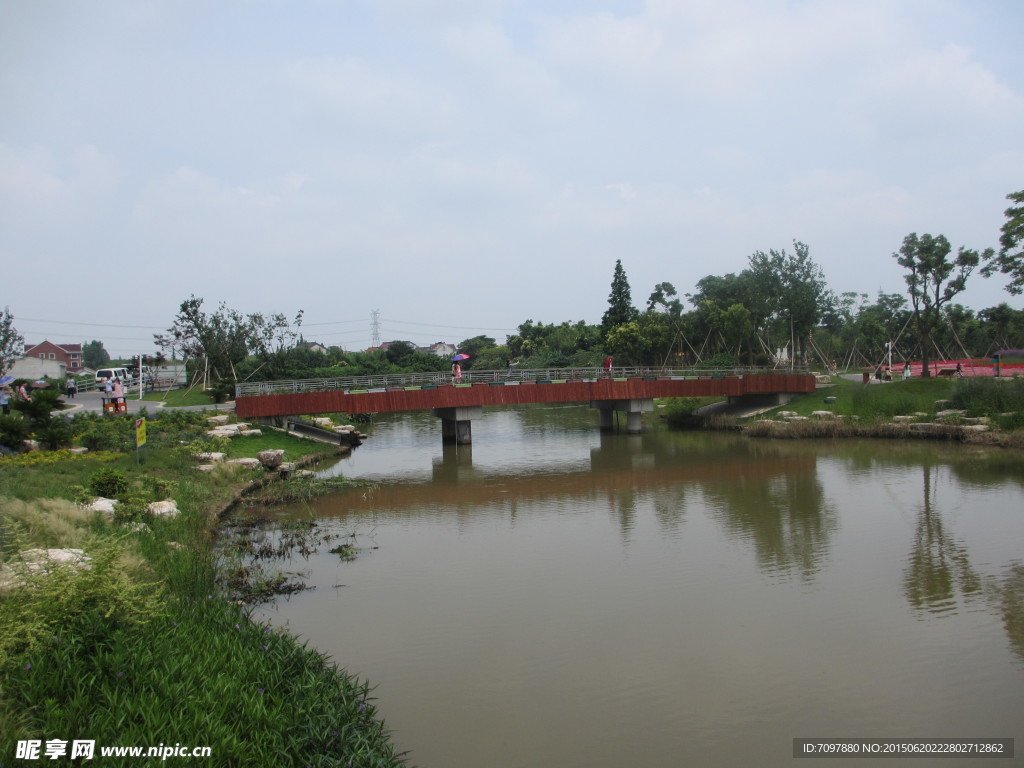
(457, 403)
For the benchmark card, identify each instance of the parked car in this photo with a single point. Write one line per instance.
(112, 373)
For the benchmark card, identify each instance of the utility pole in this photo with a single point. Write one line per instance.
(375, 327)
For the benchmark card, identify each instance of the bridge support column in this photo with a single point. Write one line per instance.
(457, 423)
(634, 409)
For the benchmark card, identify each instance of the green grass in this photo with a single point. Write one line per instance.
(142, 648)
(177, 398)
(874, 402)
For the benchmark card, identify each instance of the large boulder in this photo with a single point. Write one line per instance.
(271, 458)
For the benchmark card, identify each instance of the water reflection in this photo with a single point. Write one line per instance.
(688, 597)
(938, 568)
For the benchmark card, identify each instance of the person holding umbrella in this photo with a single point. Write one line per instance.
(457, 367)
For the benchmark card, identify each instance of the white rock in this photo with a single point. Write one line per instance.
(165, 508)
(248, 462)
(106, 506)
(823, 414)
(206, 467)
(209, 456)
(43, 559)
(217, 419)
(250, 433)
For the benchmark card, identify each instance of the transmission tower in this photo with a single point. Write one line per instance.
(375, 326)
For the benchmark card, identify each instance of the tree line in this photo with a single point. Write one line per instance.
(779, 309)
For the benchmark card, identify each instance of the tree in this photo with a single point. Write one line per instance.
(223, 339)
(94, 355)
(794, 287)
(12, 343)
(397, 350)
(1010, 260)
(620, 302)
(932, 282)
(474, 346)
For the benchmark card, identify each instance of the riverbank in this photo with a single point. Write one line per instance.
(131, 642)
(986, 411)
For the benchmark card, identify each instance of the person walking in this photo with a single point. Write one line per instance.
(5, 400)
(608, 366)
(71, 387)
(457, 373)
(906, 371)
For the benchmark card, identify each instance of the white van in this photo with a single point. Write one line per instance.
(112, 373)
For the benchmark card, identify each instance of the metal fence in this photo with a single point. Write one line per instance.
(384, 382)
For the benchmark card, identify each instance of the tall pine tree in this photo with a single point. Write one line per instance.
(620, 303)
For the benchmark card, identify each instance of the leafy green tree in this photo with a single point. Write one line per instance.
(12, 343)
(794, 287)
(932, 282)
(1000, 325)
(473, 347)
(223, 339)
(397, 350)
(620, 302)
(1010, 259)
(94, 355)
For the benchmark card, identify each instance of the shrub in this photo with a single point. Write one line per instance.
(109, 434)
(13, 431)
(108, 482)
(55, 434)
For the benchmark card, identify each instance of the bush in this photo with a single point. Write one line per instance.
(55, 435)
(13, 431)
(108, 483)
(108, 433)
(222, 390)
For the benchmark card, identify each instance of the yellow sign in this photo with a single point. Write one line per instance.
(140, 432)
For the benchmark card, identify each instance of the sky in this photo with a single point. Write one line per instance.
(462, 166)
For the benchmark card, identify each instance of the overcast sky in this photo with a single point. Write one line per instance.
(465, 165)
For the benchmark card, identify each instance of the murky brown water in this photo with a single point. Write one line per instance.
(555, 597)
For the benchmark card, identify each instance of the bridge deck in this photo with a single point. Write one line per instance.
(253, 402)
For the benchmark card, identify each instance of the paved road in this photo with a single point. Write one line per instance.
(93, 401)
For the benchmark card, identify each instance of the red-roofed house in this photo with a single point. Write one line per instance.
(69, 354)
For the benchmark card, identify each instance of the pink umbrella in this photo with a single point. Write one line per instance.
(459, 357)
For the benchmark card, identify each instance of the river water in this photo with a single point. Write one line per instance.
(555, 596)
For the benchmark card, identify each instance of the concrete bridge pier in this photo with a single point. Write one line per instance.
(634, 409)
(457, 423)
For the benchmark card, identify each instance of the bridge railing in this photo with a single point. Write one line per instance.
(383, 382)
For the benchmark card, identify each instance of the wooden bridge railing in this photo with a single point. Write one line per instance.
(442, 378)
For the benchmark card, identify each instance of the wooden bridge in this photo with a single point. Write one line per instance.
(457, 403)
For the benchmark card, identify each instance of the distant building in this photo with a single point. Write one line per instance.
(69, 354)
(38, 368)
(441, 349)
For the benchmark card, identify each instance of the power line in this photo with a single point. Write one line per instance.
(98, 325)
(457, 328)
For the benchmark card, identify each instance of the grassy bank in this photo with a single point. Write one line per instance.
(142, 648)
(892, 411)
